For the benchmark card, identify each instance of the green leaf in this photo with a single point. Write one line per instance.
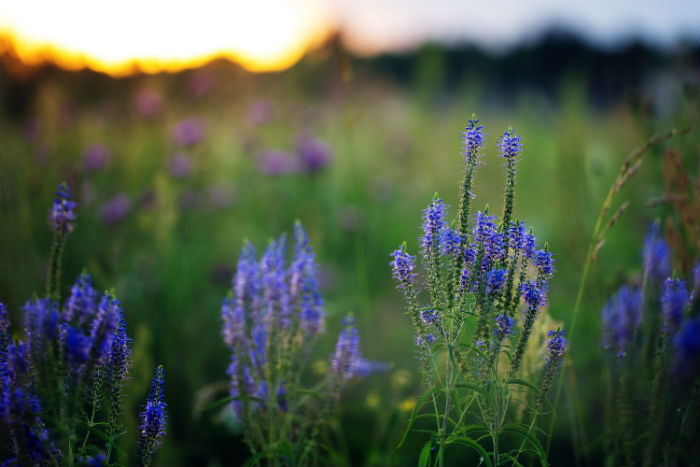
(521, 430)
(425, 455)
(416, 408)
(522, 382)
(476, 447)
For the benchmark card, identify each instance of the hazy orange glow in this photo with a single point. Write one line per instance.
(120, 37)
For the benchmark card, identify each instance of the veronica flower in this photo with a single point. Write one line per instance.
(103, 329)
(95, 157)
(686, 346)
(504, 326)
(433, 222)
(402, 267)
(154, 418)
(495, 280)
(313, 154)
(473, 138)
(188, 132)
(81, 305)
(449, 242)
(40, 325)
(657, 255)
(510, 145)
(544, 263)
(674, 299)
(347, 361)
(304, 285)
(115, 209)
(622, 316)
(62, 214)
(275, 292)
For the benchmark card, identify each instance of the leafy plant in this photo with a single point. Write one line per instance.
(471, 337)
(62, 387)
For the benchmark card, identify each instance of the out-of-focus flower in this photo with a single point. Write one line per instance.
(188, 132)
(221, 194)
(148, 103)
(313, 154)
(259, 112)
(273, 162)
(32, 129)
(201, 83)
(115, 209)
(62, 213)
(95, 157)
(180, 165)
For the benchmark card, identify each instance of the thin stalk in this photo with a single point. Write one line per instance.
(622, 178)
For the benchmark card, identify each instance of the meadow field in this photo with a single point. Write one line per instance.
(173, 172)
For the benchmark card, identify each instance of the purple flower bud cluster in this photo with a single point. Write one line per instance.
(556, 346)
(622, 316)
(269, 299)
(347, 361)
(154, 418)
(657, 255)
(674, 299)
(504, 326)
(473, 138)
(62, 214)
(433, 223)
(402, 267)
(510, 145)
(686, 346)
(78, 344)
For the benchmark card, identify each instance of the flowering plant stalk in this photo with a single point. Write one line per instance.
(486, 284)
(651, 335)
(62, 386)
(271, 318)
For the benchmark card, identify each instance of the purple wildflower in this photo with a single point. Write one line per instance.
(696, 279)
(282, 398)
(272, 162)
(103, 329)
(687, 347)
(504, 326)
(622, 315)
(347, 361)
(77, 346)
(259, 112)
(402, 267)
(533, 295)
(40, 325)
(657, 255)
(544, 263)
(495, 280)
(62, 214)
(429, 316)
(245, 283)
(313, 154)
(188, 132)
(275, 303)
(473, 138)
(449, 242)
(81, 305)
(116, 209)
(556, 346)
(148, 103)
(304, 284)
(95, 157)
(153, 419)
(674, 300)
(240, 388)
(180, 165)
(433, 222)
(509, 145)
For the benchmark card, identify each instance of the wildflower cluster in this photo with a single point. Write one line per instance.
(62, 385)
(487, 282)
(271, 318)
(652, 338)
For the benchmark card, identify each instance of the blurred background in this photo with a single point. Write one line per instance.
(185, 128)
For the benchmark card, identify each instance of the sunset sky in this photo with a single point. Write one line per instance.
(273, 34)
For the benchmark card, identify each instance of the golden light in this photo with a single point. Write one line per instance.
(120, 37)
